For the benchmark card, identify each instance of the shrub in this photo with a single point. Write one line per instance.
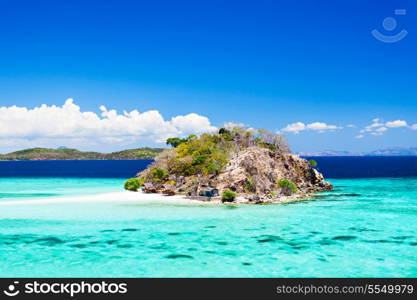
(186, 169)
(159, 174)
(191, 137)
(313, 163)
(250, 185)
(199, 160)
(133, 184)
(228, 196)
(210, 169)
(272, 141)
(272, 193)
(226, 134)
(172, 182)
(287, 186)
(174, 142)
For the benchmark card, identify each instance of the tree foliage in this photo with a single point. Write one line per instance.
(287, 186)
(207, 154)
(176, 141)
(159, 174)
(228, 196)
(133, 184)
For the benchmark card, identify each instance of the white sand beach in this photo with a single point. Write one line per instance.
(119, 197)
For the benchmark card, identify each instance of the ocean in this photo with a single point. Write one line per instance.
(364, 228)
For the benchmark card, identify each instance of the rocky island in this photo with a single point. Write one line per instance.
(237, 165)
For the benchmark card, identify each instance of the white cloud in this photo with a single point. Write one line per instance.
(231, 125)
(373, 126)
(414, 127)
(359, 136)
(67, 125)
(316, 126)
(321, 126)
(379, 131)
(378, 127)
(396, 124)
(192, 123)
(294, 127)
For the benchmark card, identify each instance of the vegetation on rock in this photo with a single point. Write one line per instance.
(254, 164)
(228, 196)
(133, 184)
(159, 174)
(313, 163)
(208, 154)
(175, 142)
(287, 186)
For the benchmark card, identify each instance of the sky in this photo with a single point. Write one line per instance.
(110, 75)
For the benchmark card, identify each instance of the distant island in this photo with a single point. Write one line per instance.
(237, 165)
(394, 151)
(63, 153)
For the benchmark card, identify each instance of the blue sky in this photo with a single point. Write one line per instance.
(266, 64)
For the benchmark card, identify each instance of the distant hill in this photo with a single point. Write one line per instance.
(63, 153)
(330, 153)
(394, 151)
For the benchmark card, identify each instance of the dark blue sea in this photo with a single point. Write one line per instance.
(367, 166)
(73, 168)
(331, 167)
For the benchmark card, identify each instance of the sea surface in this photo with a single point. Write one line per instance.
(364, 228)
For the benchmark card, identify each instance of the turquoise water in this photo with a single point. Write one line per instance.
(32, 188)
(366, 227)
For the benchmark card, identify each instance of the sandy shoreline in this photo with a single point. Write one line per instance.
(143, 198)
(116, 197)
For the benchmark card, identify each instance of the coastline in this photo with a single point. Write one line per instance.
(111, 197)
(140, 197)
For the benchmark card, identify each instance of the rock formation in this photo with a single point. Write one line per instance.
(252, 170)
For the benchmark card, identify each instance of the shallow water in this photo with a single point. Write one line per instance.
(31, 188)
(366, 227)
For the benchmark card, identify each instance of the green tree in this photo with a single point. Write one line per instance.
(175, 142)
(228, 196)
(313, 163)
(191, 137)
(133, 184)
(159, 174)
(287, 186)
(223, 130)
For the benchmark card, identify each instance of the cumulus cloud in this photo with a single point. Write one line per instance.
(379, 131)
(321, 126)
(231, 125)
(396, 124)
(316, 126)
(414, 127)
(192, 123)
(294, 127)
(68, 125)
(372, 127)
(378, 127)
